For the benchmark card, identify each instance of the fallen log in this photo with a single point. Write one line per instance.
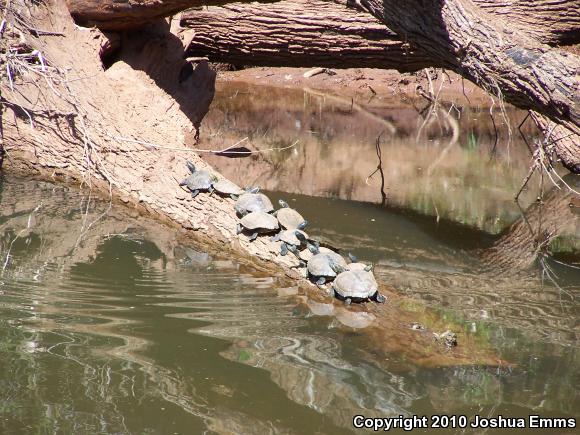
(528, 238)
(125, 14)
(301, 33)
(489, 51)
(554, 22)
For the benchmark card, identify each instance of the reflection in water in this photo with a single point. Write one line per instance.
(467, 180)
(129, 330)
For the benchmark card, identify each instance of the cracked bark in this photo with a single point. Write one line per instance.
(304, 33)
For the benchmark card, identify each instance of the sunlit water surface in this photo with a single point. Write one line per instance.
(113, 324)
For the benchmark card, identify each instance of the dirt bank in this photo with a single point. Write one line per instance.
(365, 85)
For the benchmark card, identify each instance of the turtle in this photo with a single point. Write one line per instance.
(305, 255)
(198, 181)
(227, 188)
(292, 240)
(324, 266)
(258, 222)
(249, 202)
(359, 266)
(356, 286)
(355, 265)
(290, 218)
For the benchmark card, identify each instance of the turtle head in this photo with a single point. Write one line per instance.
(352, 258)
(283, 203)
(369, 268)
(337, 268)
(302, 224)
(313, 248)
(300, 236)
(190, 166)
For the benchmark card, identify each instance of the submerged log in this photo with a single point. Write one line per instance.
(301, 33)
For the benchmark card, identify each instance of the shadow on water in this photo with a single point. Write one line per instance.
(129, 330)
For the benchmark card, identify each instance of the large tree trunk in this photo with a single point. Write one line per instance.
(305, 33)
(561, 141)
(525, 240)
(125, 14)
(554, 22)
(456, 33)
(490, 52)
(550, 21)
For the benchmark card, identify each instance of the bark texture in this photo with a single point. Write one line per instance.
(525, 240)
(304, 33)
(491, 53)
(564, 143)
(127, 14)
(553, 22)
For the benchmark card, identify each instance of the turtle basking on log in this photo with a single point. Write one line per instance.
(198, 181)
(258, 222)
(356, 286)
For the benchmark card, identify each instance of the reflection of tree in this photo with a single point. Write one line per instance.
(337, 152)
(529, 237)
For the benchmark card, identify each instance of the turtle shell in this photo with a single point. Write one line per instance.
(199, 180)
(289, 218)
(355, 284)
(226, 187)
(249, 202)
(356, 266)
(259, 221)
(289, 237)
(305, 255)
(320, 264)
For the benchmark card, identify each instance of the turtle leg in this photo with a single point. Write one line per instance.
(283, 249)
(234, 197)
(302, 263)
(239, 229)
(321, 281)
(253, 237)
(183, 182)
(302, 225)
(275, 237)
(294, 250)
(380, 298)
(347, 301)
(194, 193)
(210, 189)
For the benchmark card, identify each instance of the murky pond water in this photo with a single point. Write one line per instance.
(112, 323)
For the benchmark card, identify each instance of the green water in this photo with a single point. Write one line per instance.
(113, 324)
